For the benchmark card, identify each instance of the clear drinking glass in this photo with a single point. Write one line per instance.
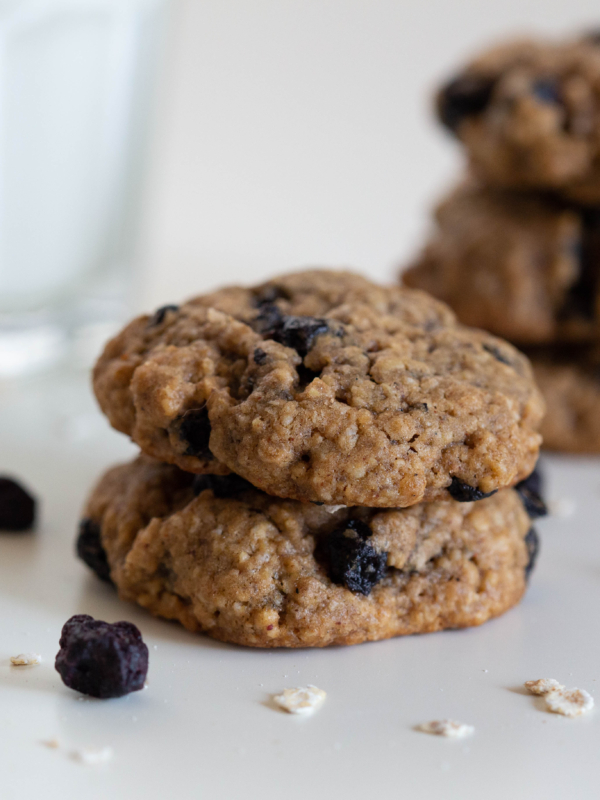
(76, 81)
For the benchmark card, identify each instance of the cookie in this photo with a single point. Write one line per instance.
(382, 400)
(228, 560)
(523, 266)
(570, 381)
(528, 113)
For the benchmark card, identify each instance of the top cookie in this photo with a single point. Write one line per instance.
(382, 400)
(529, 115)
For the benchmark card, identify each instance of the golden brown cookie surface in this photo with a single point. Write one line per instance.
(382, 400)
(570, 381)
(230, 561)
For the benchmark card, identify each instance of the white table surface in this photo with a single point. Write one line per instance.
(205, 728)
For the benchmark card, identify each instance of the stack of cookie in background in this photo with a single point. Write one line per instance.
(516, 247)
(324, 461)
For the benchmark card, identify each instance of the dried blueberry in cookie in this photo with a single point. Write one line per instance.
(90, 550)
(461, 491)
(299, 333)
(351, 560)
(532, 540)
(463, 97)
(530, 490)
(160, 314)
(101, 659)
(194, 430)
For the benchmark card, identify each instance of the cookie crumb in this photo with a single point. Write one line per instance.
(542, 686)
(569, 702)
(93, 757)
(447, 727)
(559, 699)
(302, 700)
(26, 660)
(51, 744)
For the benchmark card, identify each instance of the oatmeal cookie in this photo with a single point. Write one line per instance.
(523, 266)
(570, 381)
(228, 560)
(528, 113)
(377, 403)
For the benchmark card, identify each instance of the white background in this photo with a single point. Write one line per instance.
(296, 132)
(290, 133)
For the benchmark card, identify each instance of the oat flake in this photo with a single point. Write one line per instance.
(447, 727)
(542, 686)
(25, 659)
(302, 700)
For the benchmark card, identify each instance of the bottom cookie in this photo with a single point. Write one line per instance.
(244, 567)
(569, 379)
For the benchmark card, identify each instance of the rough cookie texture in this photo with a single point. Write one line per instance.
(523, 266)
(570, 381)
(247, 569)
(528, 113)
(378, 401)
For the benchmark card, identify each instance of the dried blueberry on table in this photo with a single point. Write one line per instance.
(160, 314)
(463, 97)
(351, 560)
(530, 490)
(194, 430)
(221, 485)
(17, 506)
(466, 494)
(532, 541)
(299, 333)
(101, 659)
(90, 550)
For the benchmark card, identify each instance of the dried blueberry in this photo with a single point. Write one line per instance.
(101, 659)
(298, 333)
(17, 506)
(269, 318)
(267, 295)
(466, 494)
(259, 356)
(194, 430)
(497, 353)
(581, 298)
(160, 314)
(221, 485)
(547, 90)
(90, 550)
(350, 560)
(463, 97)
(532, 542)
(530, 490)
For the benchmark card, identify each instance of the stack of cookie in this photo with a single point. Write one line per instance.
(324, 461)
(516, 248)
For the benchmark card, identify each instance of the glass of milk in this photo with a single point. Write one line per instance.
(76, 81)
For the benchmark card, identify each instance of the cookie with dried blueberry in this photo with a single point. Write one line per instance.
(371, 402)
(233, 562)
(521, 265)
(569, 378)
(528, 113)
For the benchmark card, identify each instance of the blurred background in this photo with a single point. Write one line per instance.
(297, 132)
(155, 149)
